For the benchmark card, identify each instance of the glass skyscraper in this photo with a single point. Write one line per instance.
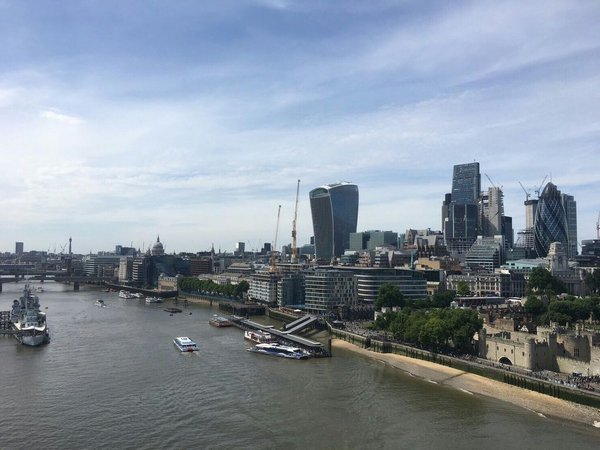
(334, 209)
(555, 221)
(460, 211)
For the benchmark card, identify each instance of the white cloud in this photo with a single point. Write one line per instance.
(53, 114)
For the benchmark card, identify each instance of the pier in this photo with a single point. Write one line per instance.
(317, 349)
(6, 326)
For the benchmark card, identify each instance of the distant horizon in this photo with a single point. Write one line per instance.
(123, 121)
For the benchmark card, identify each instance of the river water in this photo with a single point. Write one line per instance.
(111, 378)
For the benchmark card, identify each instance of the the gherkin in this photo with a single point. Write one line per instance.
(550, 220)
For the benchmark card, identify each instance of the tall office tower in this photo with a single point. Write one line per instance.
(334, 209)
(18, 248)
(460, 215)
(555, 221)
(492, 212)
(466, 183)
(570, 206)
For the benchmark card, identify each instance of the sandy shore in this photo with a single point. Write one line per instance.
(539, 403)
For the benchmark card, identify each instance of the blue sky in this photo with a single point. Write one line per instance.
(123, 120)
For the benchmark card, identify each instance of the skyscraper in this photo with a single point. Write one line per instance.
(334, 209)
(555, 221)
(460, 211)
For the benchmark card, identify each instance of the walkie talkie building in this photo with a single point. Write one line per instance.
(334, 209)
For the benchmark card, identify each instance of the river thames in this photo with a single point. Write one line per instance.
(112, 378)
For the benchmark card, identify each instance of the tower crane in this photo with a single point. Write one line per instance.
(537, 191)
(598, 227)
(527, 193)
(273, 267)
(490, 180)
(294, 248)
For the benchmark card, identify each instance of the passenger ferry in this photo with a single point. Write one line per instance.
(219, 321)
(185, 344)
(259, 336)
(126, 295)
(285, 351)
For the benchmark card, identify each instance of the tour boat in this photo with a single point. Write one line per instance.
(219, 321)
(285, 351)
(259, 336)
(185, 344)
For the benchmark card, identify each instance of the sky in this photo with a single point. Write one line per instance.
(121, 121)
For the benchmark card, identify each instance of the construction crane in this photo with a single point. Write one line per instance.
(598, 227)
(294, 248)
(490, 180)
(537, 191)
(527, 193)
(273, 267)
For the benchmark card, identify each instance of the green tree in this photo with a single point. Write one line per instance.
(592, 281)
(541, 280)
(462, 288)
(535, 306)
(389, 295)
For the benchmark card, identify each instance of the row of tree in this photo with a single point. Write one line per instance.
(562, 310)
(429, 323)
(194, 285)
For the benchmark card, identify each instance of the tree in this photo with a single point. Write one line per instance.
(462, 288)
(592, 281)
(535, 306)
(542, 280)
(389, 296)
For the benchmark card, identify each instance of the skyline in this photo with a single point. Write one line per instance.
(121, 122)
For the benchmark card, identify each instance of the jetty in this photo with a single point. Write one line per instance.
(6, 326)
(317, 349)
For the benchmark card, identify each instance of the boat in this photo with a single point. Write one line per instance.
(284, 351)
(173, 310)
(259, 336)
(220, 321)
(185, 344)
(126, 295)
(138, 295)
(39, 289)
(29, 322)
(153, 300)
(100, 303)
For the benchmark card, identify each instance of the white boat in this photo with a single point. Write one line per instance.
(153, 300)
(28, 320)
(285, 351)
(100, 303)
(138, 295)
(126, 295)
(185, 344)
(219, 321)
(259, 336)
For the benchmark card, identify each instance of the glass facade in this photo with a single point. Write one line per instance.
(466, 183)
(550, 220)
(334, 211)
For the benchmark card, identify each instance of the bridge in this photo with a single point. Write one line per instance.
(14, 276)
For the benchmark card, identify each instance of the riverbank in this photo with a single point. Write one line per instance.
(541, 404)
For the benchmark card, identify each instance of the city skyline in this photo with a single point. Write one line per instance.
(121, 122)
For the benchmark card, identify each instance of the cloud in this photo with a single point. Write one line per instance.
(66, 119)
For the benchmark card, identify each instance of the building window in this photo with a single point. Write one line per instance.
(576, 352)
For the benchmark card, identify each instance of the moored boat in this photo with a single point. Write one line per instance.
(259, 336)
(284, 351)
(185, 344)
(28, 320)
(219, 321)
(153, 300)
(126, 295)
